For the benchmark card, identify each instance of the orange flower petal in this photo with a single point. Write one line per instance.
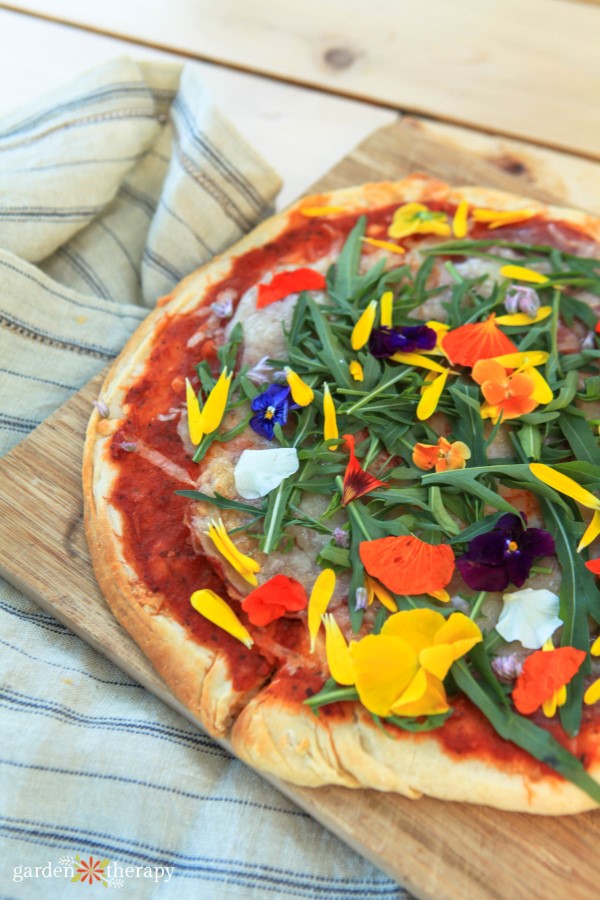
(544, 673)
(488, 370)
(356, 481)
(407, 565)
(468, 344)
(274, 599)
(425, 456)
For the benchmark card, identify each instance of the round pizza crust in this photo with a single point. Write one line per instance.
(276, 735)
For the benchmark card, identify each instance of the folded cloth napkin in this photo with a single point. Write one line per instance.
(111, 190)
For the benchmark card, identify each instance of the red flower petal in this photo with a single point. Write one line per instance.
(594, 566)
(544, 672)
(273, 599)
(481, 340)
(356, 481)
(407, 565)
(286, 283)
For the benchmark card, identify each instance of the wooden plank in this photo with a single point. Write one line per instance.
(530, 70)
(437, 850)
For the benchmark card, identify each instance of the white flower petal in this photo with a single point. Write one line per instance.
(529, 616)
(258, 472)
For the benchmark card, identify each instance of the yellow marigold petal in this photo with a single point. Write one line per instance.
(356, 370)
(339, 660)
(320, 597)
(549, 706)
(218, 611)
(521, 273)
(561, 695)
(443, 596)
(592, 695)
(363, 328)
(432, 702)
(383, 667)
(595, 648)
(431, 397)
(244, 565)
(316, 211)
(591, 532)
(216, 404)
(459, 223)
(302, 393)
(498, 217)
(386, 306)
(194, 414)
(416, 359)
(564, 485)
(518, 360)
(542, 392)
(384, 245)
(330, 429)
(374, 589)
(523, 319)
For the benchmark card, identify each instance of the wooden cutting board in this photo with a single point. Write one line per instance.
(434, 849)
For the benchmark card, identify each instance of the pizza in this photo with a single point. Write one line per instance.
(342, 488)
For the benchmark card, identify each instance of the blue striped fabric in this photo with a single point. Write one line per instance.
(111, 190)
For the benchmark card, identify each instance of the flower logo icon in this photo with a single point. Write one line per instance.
(91, 870)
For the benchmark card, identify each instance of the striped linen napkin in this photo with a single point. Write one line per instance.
(111, 190)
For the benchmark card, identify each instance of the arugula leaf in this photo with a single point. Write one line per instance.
(579, 437)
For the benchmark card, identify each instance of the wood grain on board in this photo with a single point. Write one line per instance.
(436, 850)
(530, 70)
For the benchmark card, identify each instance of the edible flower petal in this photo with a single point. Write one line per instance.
(285, 283)
(339, 660)
(522, 273)
(384, 668)
(416, 218)
(565, 485)
(258, 472)
(385, 342)
(503, 555)
(468, 344)
(416, 359)
(313, 212)
(512, 395)
(524, 299)
(194, 414)
(386, 307)
(330, 429)
(217, 611)
(271, 408)
(443, 456)
(363, 328)
(497, 218)
(430, 396)
(527, 360)
(356, 370)
(376, 591)
(356, 481)
(592, 694)
(529, 616)
(244, 565)
(522, 318)
(407, 565)
(273, 599)
(302, 393)
(545, 673)
(320, 598)
(216, 403)
(459, 222)
(384, 245)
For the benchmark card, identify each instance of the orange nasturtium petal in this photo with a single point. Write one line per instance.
(386, 305)
(216, 403)
(459, 223)
(430, 397)
(302, 393)
(194, 414)
(468, 344)
(544, 673)
(363, 328)
(217, 611)
(320, 597)
(316, 211)
(339, 660)
(330, 429)
(407, 565)
(521, 273)
(384, 245)
(244, 565)
(356, 481)
(356, 370)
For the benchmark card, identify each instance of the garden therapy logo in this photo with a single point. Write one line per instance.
(90, 870)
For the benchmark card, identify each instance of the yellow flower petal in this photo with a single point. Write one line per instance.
(330, 429)
(363, 328)
(591, 533)
(595, 648)
(415, 218)
(338, 656)
(459, 223)
(384, 245)
(316, 211)
(217, 611)
(320, 597)
(194, 414)
(384, 667)
(521, 273)
(523, 319)
(416, 359)
(565, 485)
(549, 706)
(216, 404)
(418, 627)
(374, 589)
(442, 595)
(521, 360)
(244, 565)
(460, 632)
(431, 397)
(542, 392)
(302, 393)
(386, 306)
(432, 702)
(356, 370)
(496, 218)
(592, 695)
(437, 660)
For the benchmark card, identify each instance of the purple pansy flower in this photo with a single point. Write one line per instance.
(385, 342)
(504, 555)
(271, 408)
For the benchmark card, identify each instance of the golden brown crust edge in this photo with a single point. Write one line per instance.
(199, 677)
